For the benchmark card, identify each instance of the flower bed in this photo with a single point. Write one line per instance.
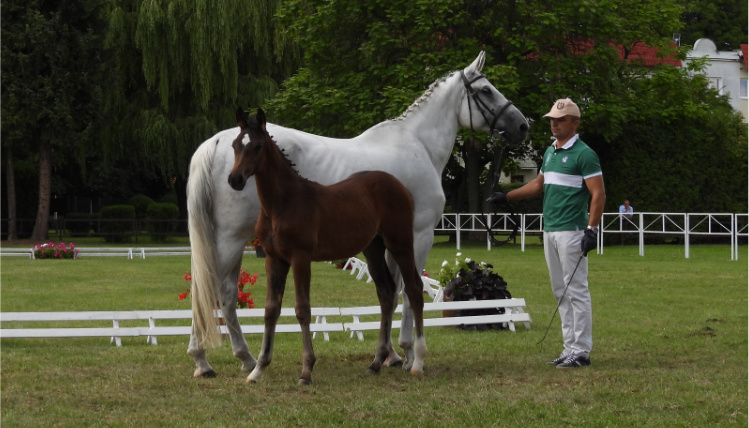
(55, 251)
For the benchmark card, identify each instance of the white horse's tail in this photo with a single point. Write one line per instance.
(205, 281)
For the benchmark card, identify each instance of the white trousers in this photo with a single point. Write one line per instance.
(562, 250)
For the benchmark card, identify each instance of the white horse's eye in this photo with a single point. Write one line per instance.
(486, 90)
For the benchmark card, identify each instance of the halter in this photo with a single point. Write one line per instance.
(482, 107)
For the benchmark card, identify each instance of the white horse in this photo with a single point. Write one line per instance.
(414, 147)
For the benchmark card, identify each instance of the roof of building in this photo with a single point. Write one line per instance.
(637, 51)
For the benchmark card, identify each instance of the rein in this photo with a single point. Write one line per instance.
(481, 106)
(515, 220)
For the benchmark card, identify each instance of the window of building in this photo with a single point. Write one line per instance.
(743, 89)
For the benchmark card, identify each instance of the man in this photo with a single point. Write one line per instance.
(569, 176)
(626, 209)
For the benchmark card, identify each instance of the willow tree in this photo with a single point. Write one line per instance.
(180, 70)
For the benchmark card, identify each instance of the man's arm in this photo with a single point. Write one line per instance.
(598, 194)
(531, 189)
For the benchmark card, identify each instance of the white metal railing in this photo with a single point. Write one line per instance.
(682, 225)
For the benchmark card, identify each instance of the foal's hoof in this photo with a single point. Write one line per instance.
(393, 362)
(208, 374)
(304, 382)
(373, 370)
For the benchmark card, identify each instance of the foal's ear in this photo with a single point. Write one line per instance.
(260, 117)
(242, 117)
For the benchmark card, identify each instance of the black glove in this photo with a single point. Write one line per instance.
(498, 197)
(589, 241)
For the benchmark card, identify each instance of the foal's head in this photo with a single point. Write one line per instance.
(248, 147)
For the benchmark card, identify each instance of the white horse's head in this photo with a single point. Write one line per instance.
(485, 108)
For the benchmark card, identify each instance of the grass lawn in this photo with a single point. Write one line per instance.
(670, 349)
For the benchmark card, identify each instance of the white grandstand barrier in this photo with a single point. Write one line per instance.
(682, 225)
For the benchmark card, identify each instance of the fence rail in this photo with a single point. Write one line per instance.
(643, 225)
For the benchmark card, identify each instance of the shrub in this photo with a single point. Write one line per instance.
(141, 203)
(161, 220)
(117, 222)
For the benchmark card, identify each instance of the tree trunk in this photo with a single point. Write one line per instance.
(473, 177)
(473, 171)
(10, 180)
(41, 227)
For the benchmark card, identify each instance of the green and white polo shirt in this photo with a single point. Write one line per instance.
(565, 193)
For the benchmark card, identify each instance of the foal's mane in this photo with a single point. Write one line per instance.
(283, 153)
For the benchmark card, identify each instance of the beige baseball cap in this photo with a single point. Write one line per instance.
(563, 107)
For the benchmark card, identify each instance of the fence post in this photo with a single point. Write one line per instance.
(641, 234)
(686, 235)
(457, 230)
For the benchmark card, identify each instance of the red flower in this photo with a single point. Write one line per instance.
(243, 299)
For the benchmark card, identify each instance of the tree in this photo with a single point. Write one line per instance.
(365, 61)
(51, 65)
(180, 70)
(722, 21)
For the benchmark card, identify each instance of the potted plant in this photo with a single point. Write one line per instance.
(468, 280)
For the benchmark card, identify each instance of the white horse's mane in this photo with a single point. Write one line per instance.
(415, 105)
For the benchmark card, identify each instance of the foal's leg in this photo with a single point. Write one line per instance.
(378, 269)
(277, 271)
(302, 274)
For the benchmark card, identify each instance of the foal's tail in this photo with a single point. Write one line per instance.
(205, 281)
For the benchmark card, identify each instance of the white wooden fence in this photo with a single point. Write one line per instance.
(731, 226)
(150, 324)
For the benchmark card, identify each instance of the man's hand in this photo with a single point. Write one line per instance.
(589, 241)
(498, 197)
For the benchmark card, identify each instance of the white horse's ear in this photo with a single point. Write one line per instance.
(477, 64)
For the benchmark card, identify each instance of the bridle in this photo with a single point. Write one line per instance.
(481, 106)
(488, 113)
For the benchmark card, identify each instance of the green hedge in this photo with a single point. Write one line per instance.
(161, 220)
(141, 203)
(117, 222)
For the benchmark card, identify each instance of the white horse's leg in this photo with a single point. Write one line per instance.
(229, 292)
(202, 368)
(423, 241)
(229, 260)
